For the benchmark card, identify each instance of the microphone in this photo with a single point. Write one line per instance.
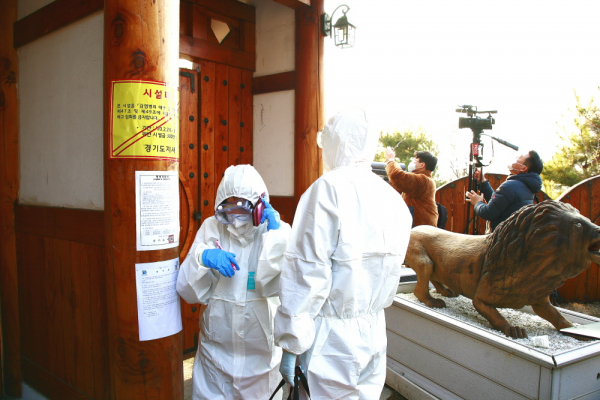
(504, 142)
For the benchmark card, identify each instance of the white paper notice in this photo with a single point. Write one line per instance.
(157, 209)
(159, 311)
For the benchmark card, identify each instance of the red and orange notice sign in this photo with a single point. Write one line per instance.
(144, 121)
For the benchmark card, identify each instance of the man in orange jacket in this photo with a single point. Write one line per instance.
(416, 186)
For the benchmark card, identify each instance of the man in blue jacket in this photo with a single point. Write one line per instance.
(518, 190)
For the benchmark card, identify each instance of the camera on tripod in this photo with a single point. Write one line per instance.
(474, 122)
(477, 125)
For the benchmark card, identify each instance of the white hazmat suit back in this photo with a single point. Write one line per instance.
(342, 267)
(236, 357)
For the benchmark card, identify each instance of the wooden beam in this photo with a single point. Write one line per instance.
(274, 83)
(308, 97)
(203, 49)
(248, 37)
(141, 43)
(232, 8)
(83, 226)
(9, 190)
(295, 4)
(54, 16)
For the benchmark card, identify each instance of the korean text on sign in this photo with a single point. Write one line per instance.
(144, 120)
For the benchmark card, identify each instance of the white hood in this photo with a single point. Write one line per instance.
(346, 140)
(241, 181)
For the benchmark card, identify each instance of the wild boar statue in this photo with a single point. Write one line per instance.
(528, 256)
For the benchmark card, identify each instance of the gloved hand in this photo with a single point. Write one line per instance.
(287, 366)
(271, 215)
(221, 260)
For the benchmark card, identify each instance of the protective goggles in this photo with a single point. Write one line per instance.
(241, 210)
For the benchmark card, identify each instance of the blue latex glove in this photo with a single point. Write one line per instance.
(271, 215)
(287, 366)
(221, 260)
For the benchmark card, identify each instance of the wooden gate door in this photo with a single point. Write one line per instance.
(215, 132)
(216, 115)
(189, 195)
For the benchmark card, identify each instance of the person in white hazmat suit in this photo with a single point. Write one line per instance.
(236, 357)
(342, 268)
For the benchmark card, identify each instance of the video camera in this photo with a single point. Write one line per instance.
(379, 169)
(477, 125)
(474, 122)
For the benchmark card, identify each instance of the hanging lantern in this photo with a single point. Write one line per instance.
(343, 30)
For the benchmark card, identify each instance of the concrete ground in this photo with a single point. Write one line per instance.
(30, 394)
(387, 393)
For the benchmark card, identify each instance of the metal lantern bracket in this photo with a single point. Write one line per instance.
(342, 21)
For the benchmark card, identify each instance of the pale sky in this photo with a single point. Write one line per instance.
(414, 62)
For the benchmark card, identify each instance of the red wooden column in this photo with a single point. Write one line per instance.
(309, 107)
(141, 42)
(9, 190)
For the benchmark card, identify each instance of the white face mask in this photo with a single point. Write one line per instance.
(411, 166)
(241, 226)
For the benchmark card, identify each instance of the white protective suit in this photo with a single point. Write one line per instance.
(236, 357)
(342, 267)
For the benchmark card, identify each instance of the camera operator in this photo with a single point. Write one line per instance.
(416, 186)
(517, 191)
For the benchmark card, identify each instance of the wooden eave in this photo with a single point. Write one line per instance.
(295, 4)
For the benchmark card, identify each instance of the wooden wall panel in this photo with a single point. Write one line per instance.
(54, 290)
(201, 22)
(62, 286)
(286, 206)
(10, 357)
(96, 264)
(248, 37)
(48, 384)
(30, 258)
(186, 18)
(82, 226)
(79, 315)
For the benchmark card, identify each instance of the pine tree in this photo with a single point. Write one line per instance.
(579, 157)
(410, 141)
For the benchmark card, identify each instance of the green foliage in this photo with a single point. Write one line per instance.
(579, 157)
(411, 141)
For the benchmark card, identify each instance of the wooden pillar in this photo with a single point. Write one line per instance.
(9, 190)
(308, 96)
(141, 42)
